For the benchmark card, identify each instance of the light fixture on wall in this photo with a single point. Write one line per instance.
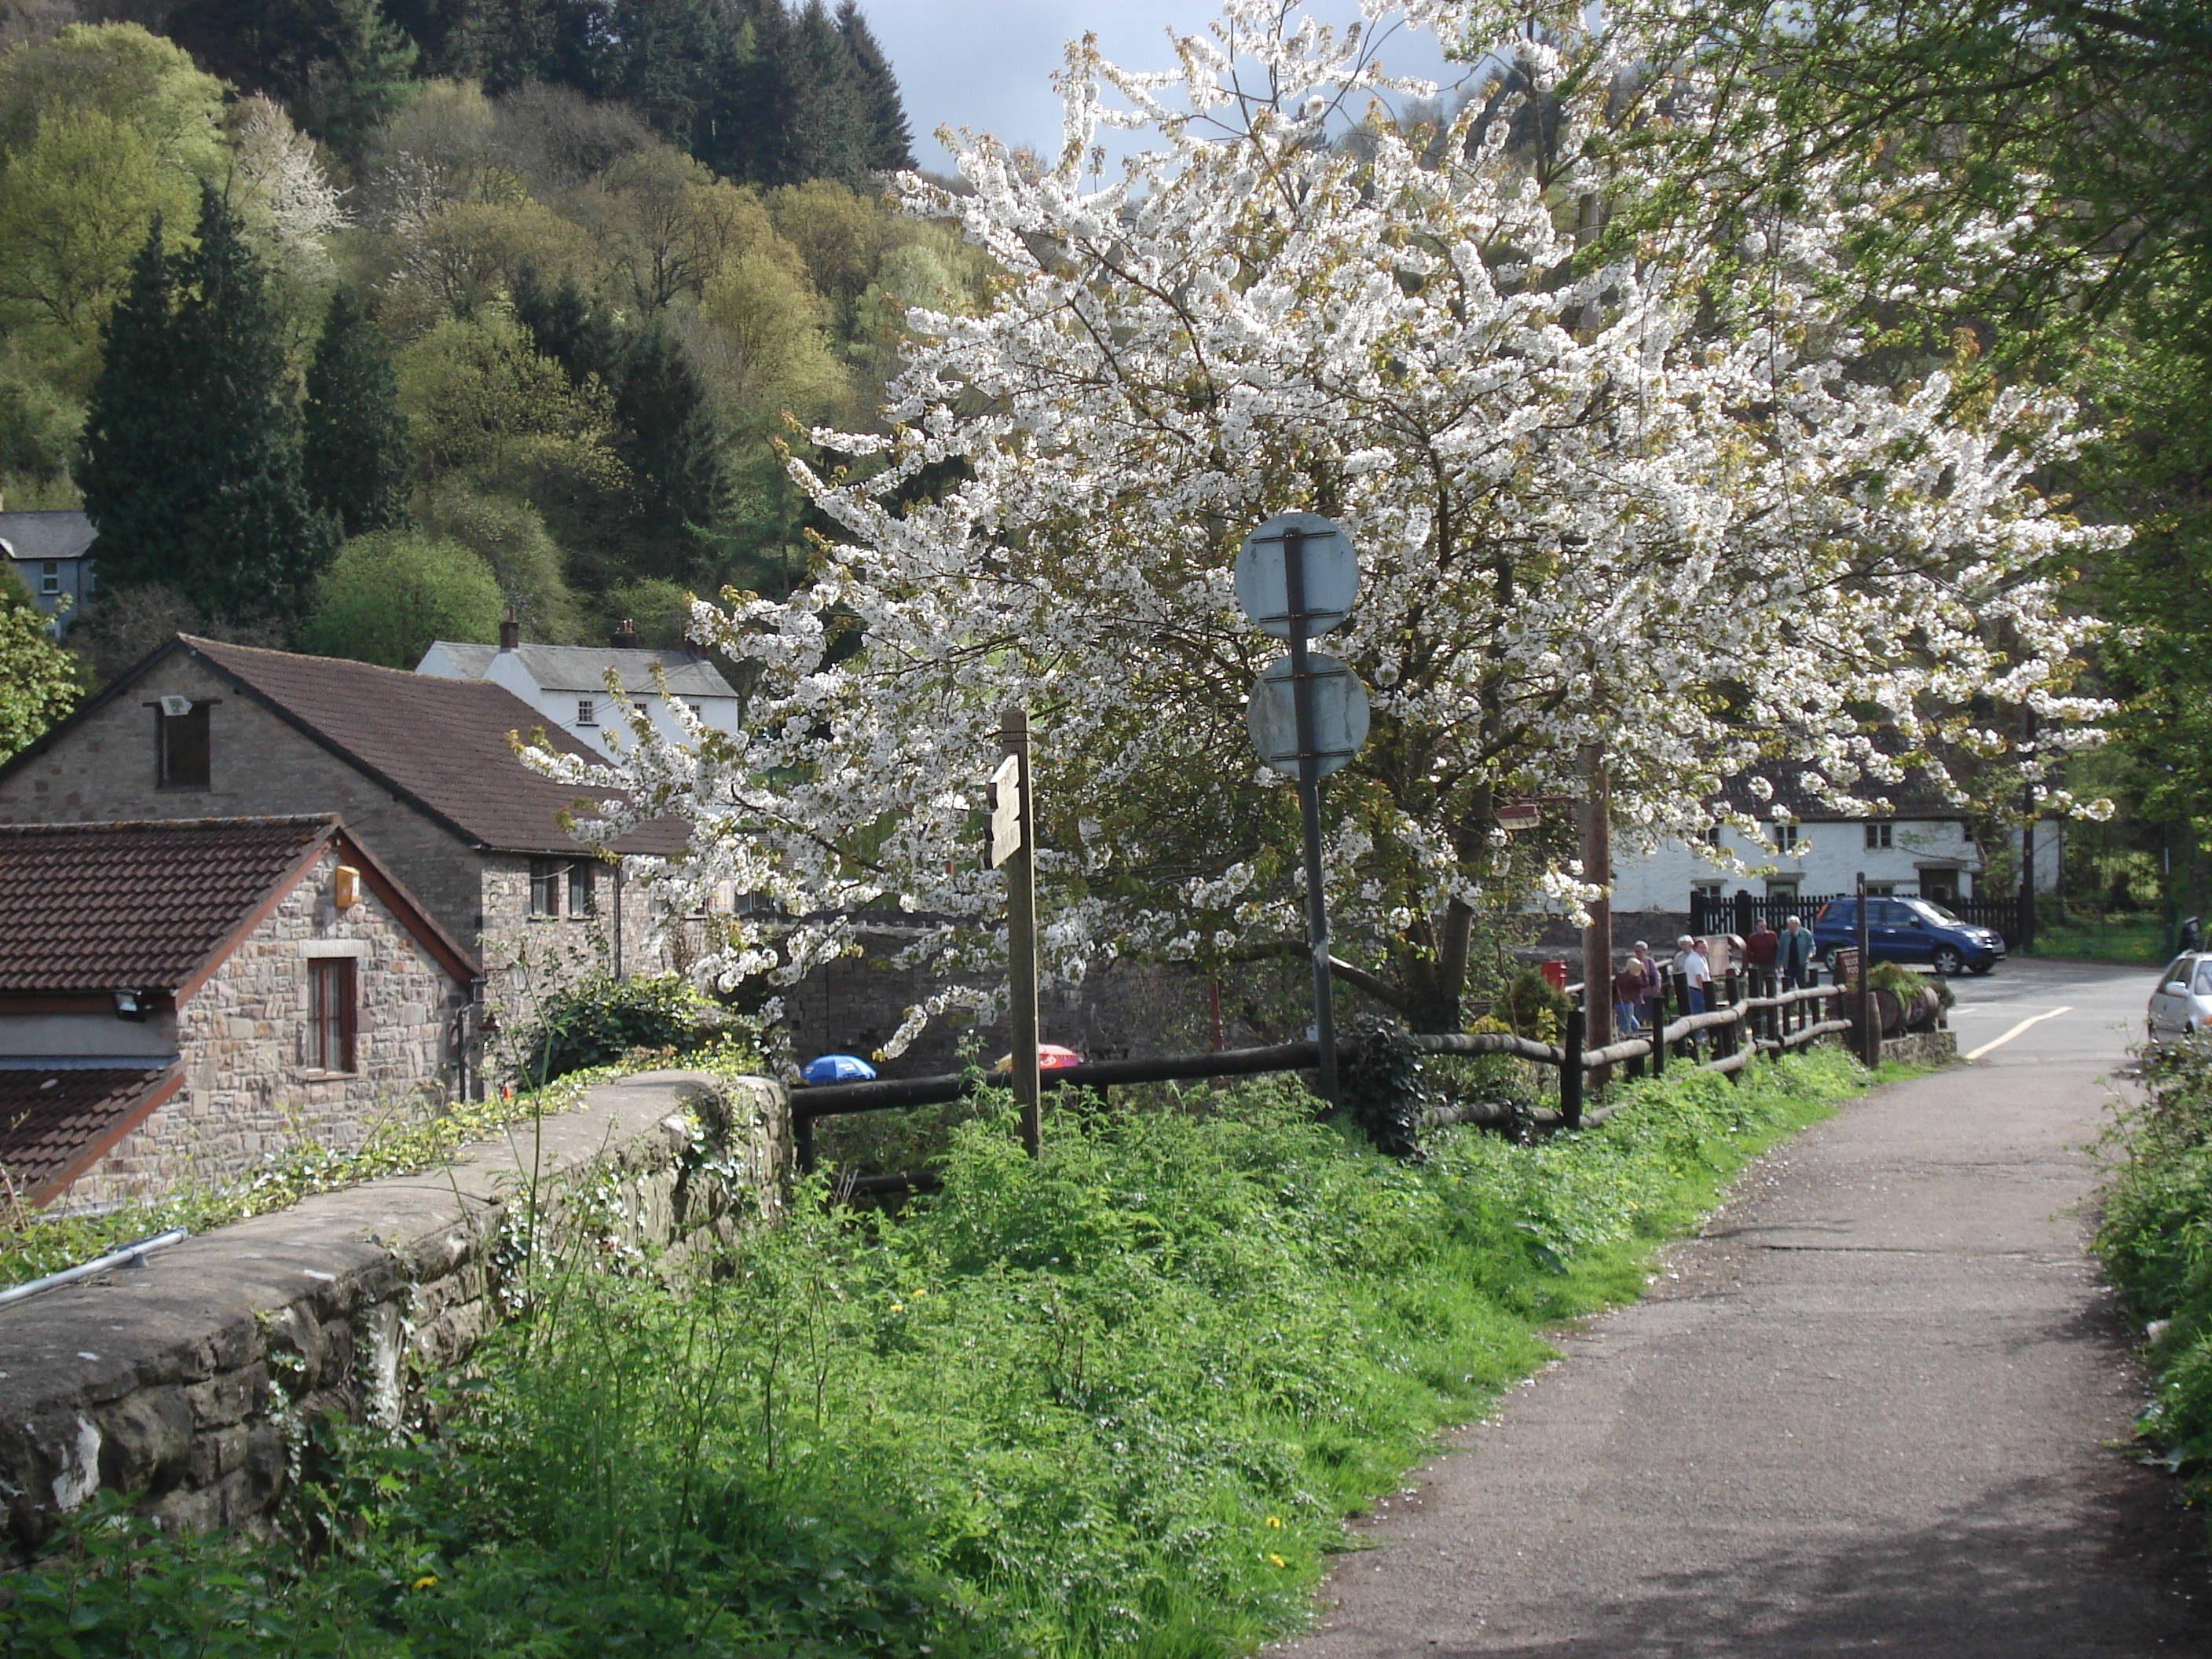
(176, 707)
(130, 1004)
(345, 887)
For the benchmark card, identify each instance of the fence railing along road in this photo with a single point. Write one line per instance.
(1750, 1014)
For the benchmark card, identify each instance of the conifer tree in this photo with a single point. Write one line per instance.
(888, 143)
(124, 463)
(674, 448)
(193, 467)
(355, 455)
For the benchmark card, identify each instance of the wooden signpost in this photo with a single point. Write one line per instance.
(1012, 836)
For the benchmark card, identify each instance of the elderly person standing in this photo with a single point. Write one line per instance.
(1632, 996)
(1690, 963)
(1796, 953)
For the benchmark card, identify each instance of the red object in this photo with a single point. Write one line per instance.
(1555, 974)
(1050, 1058)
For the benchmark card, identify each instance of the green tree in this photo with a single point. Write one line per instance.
(37, 679)
(676, 452)
(191, 460)
(511, 537)
(364, 74)
(120, 71)
(355, 458)
(389, 594)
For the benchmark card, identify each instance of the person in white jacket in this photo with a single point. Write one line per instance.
(1690, 963)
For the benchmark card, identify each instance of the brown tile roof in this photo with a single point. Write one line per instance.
(442, 745)
(106, 907)
(1915, 797)
(54, 1121)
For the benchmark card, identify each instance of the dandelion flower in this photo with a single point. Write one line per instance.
(1276, 1521)
(1276, 1560)
(898, 1307)
(427, 1581)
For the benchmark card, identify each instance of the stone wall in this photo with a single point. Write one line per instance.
(195, 1380)
(258, 767)
(243, 1041)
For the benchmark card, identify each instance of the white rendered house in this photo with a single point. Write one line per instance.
(1921, 847)
(568, 683)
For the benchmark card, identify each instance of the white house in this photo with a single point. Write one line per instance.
(51, 553)
(1922, 848)
(568, 683)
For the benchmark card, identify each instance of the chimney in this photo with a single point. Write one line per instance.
(510, 630)
(625, 634)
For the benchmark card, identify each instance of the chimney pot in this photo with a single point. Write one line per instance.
(510, 630)
(626, 634)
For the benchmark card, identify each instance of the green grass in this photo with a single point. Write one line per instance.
(2115, 938)
(1118, 1401)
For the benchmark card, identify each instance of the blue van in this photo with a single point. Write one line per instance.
(1909, 930)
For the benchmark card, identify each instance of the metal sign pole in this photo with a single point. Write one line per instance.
(1021, 933)
(1870, 1036)
(1294, 582)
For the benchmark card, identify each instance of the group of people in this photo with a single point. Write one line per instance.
(1634, 986)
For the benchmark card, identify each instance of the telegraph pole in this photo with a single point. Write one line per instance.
(1019, 863)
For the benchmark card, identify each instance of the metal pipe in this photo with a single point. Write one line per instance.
(123, 1255)
(1294, 586)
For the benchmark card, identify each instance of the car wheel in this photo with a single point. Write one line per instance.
(1980, 968)
(1948, 960)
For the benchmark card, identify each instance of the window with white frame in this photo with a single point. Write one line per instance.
(1786, 838)
(1880, 836)
(49, 576)
(588, 711)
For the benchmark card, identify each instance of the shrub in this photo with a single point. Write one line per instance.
(598, 1019)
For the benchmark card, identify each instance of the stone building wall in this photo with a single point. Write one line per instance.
(242, 1038)
(258, 767)
(196, 1381)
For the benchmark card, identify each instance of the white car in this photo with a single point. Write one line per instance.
(2182, 1004)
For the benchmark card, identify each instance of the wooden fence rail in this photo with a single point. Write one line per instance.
(1752, 1015)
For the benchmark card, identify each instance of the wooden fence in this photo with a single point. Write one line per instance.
(1735, 913)
(1749, 1014)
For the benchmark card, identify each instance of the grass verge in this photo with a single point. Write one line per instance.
(2115, 938)
(1117, 1400)
(2155, 1237)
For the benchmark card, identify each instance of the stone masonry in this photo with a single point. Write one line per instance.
(193, 1381)
(243, 1035)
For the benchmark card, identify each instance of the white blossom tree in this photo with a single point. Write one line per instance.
(1643, 502)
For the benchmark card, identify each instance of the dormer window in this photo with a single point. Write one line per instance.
(588, 711)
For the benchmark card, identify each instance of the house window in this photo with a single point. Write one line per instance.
(182, 743)
(1785, 837)
(1881, 889)
(331, 1016)
(587, 712)
(582, 901)
(49, 576)
(545, 887)
(1879, 835)
(1712, 836)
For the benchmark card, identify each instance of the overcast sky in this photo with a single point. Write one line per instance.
(988, 63)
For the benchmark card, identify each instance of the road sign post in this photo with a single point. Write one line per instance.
(1296, 577)
(1013, 836)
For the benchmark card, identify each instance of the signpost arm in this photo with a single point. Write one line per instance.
(1021, 934)
(1294, 582)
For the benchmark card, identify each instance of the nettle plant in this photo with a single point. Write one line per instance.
(1640, 498)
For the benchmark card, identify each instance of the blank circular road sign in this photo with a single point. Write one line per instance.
(1340, 714)
(1331, 575)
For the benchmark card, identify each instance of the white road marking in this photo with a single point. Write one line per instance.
(1999, 1042)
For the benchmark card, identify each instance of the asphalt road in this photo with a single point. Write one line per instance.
(1871, 1410)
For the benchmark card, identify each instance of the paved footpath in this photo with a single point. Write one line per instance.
(1869, 1410)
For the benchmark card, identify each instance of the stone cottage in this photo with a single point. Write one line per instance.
(178, 999)
(422, 770)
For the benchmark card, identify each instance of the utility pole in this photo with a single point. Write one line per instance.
(1020, 866)
(1597, 866)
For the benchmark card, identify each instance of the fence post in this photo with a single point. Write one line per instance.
(1570, 1074)
(802, 1134)
(1659, 1027)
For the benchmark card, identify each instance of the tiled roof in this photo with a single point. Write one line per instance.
(442, 744)
(1914, 798)
(61, 534)
(49, 1119)
(584, 667)
(108, 907)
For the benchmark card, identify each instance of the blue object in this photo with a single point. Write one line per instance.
(838, 1068)
(1909, 930)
